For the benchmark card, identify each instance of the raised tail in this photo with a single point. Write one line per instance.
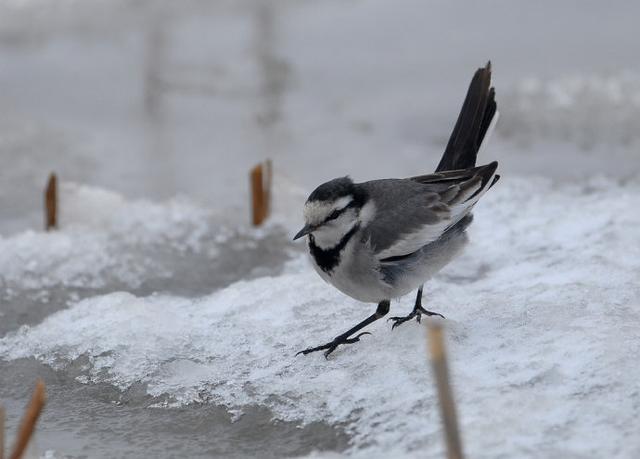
(476, 121)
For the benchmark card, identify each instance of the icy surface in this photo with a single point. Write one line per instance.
(543, 319)
(105, 239)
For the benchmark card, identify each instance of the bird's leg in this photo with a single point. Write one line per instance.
(383, 309)
(417, 312)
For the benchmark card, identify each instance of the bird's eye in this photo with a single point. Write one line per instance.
(333, 215)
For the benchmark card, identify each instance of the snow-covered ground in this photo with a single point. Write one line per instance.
(165, 326)
(543, 314)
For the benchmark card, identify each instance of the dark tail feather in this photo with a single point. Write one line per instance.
(477, 112)
(485, 173)
(495, 180)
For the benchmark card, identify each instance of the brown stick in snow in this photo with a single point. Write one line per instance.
(1, 433)
(28, 424)
(445, 395)
(51, 203)
(260, 178)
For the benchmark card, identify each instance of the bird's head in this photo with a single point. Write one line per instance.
(331, 211)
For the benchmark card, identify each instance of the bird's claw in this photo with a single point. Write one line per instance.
(427, 313)
(431, 313)
(400, 320)
(417, 313)
(330, 347)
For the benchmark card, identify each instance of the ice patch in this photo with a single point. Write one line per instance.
(543, 317)
(587, 110)
(105, 240)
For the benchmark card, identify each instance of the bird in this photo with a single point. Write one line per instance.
(379, 240)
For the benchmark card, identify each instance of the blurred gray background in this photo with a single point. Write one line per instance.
(159, 98)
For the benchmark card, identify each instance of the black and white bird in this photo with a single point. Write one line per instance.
(382, 239)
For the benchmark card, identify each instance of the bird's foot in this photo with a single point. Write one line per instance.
(417, 312)
(331, 346)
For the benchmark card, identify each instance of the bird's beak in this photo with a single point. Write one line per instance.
(304, 231)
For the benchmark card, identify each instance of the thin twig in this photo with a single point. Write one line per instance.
(51, 203)
(28, 424)
(445, 395)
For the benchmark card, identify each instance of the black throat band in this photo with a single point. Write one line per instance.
(329, 259)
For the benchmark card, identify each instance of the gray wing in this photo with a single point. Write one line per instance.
(411, 213)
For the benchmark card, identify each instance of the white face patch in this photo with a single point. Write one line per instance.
(316, 212)
(367, 213)
(330, 234)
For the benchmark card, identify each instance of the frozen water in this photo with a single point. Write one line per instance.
(104, 241)
(542, 325)
(98, 420)
(107, 243)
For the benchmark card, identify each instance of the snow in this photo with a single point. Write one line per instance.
(543, 313)
(105, 239)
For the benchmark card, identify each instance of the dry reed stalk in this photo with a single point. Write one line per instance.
(1, 433)
(28, 424)
(51, 203)
(260, 178)
(266, 184)
(445, 395)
